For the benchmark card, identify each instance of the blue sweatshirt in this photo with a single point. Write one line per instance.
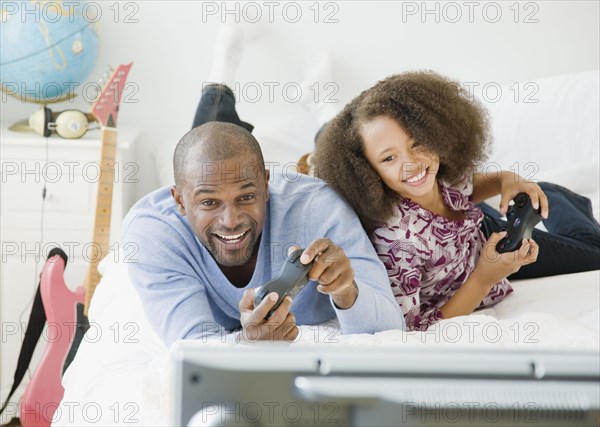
(186, 296)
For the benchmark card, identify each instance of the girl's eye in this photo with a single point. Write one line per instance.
(416, 145)
(389, 159)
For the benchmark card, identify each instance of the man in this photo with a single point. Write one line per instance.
(225, 228)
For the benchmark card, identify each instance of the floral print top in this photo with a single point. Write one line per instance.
(428, 257)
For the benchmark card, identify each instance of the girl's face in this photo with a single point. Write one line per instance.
(403, 165)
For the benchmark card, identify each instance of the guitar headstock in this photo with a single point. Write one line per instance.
(106, 107)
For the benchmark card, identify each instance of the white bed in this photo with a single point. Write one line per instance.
(120, 374)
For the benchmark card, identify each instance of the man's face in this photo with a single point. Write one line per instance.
(225, 202)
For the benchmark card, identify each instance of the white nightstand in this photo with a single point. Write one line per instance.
(69, 168)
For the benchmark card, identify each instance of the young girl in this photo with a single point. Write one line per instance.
(404, 154)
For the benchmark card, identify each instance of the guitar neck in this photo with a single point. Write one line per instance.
(101, 238)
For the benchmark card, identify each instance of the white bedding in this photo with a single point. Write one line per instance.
(120, 373)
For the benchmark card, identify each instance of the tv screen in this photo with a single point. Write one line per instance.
(322, 386)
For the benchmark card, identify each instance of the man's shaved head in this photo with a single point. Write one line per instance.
(214, 142)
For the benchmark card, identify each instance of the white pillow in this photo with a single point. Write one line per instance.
(548, 129)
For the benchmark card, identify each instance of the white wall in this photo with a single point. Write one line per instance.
(171, 48)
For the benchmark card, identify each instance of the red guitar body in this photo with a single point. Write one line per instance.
(44, 392)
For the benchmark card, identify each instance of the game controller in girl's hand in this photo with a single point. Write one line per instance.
(292, 277)
(522, 218)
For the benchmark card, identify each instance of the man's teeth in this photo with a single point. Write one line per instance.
(233, 237)
(417, 177)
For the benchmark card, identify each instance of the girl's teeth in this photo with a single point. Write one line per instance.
(418, 177)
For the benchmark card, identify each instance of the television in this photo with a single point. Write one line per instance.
(325, 385)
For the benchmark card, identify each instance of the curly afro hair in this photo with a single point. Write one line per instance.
(433, 110)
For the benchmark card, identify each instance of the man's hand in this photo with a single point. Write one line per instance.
(333, 271)
(279, 327)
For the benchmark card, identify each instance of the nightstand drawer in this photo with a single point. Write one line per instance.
(62, 198)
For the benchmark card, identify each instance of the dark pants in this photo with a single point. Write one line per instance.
(217, 104)
(572, 243)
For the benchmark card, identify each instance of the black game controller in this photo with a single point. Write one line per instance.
(522, 218)
(292, 277)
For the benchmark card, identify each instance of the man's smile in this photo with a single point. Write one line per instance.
(231, 238)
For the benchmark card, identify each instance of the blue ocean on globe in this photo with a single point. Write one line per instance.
(47, 49)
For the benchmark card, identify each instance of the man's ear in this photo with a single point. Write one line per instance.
(267, 175)
(178, 200)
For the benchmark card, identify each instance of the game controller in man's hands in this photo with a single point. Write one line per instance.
(522, 218)
(292, 277)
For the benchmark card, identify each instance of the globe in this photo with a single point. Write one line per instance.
(47, 49)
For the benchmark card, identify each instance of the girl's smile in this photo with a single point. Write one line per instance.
(417, 179)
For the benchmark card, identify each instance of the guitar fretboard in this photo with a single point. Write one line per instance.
(102, 217)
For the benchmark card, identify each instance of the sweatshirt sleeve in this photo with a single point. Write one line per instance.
(375, 309)
(173, 296)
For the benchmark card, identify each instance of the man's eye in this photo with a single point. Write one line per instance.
(208, 203)
(247, 197)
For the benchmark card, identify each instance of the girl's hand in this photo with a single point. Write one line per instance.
(513, 184)
(493, 266)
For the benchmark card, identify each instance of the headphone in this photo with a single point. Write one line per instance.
(70, 124)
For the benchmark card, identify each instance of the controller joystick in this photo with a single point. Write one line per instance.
(522, 219)
(290, 280)
(521, 200)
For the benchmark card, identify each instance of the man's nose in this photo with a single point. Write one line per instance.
(230, 217)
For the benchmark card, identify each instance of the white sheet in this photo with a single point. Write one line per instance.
(120, 374)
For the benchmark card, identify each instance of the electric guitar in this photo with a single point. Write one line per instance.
(44, 391)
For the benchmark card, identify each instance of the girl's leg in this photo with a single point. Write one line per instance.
(317, 87)
(571, 215)
(228, 50)
(559, 255)
(217, 102)
(570, 246)
(286, 140)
